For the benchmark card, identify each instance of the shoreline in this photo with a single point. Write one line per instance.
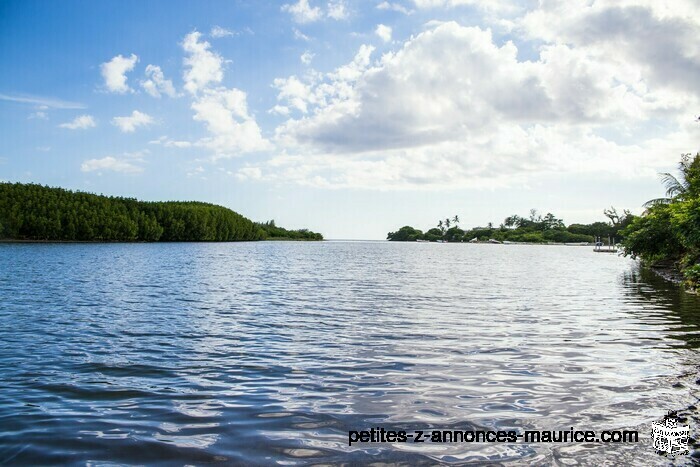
(668, 271)
(274, 239)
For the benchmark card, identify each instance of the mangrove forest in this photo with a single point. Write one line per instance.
(36, 212)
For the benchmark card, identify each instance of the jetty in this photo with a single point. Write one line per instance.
(600, 247)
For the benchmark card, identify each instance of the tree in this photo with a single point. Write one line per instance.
(551, 222)
(675, 186)
(405, 234)
(512, 221)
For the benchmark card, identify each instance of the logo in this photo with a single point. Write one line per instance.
(669, 438)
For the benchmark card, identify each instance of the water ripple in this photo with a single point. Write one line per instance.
(261, 353)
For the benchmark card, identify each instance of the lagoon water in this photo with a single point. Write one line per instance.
(270, 352)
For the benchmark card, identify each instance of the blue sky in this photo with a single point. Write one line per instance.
(353, 118)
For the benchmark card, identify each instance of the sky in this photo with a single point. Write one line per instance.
(353, 118)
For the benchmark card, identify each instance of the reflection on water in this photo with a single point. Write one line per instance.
(270, 352)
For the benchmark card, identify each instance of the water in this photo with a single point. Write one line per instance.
(260, 353)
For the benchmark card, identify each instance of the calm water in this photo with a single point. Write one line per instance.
(259, 353)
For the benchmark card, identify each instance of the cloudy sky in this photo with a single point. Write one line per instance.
(353, 118)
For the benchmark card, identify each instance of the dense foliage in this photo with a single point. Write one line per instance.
(35, 212)
(532, 229)
(669, 230)
(278, 233)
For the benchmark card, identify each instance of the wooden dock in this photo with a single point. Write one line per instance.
(599, 247)
(605, 249)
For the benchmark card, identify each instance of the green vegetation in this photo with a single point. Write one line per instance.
(272, 232)
(35, 212)
(532, 229)
(669, 230)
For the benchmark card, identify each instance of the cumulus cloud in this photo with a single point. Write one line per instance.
(337, 10)
(306, 57)
(454, 106)
(131, 122)
(202, 66)
(302, 12)
(111, 164)
(450, 80)
(233, 130)
(224, 111)
(156, 84)
(114, 73)
(384, 32)
(662, 41)
(82, 122)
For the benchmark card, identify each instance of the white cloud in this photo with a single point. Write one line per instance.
(110, 163)
(130, 123)
(82, 122)
(203, 67)
(249, 173)
(178, 144)
(169, 143)
(644, 37)
(451, 79)
(301, 36)
(39, 115)
(233, 130)
(306, 57)
(156, 84)
(394, 7)
(334, 87)
(224, 111)
(384, 32)
(453, 107)
(218, 32)
(197, 172)
(337, 10)
(114, 73)
(302, 12)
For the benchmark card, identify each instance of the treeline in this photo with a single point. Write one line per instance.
(35, 212)
(534, 228)
(668, 232)
(274, 232)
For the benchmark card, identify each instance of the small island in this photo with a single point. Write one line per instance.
(32, 212)
(533, 228)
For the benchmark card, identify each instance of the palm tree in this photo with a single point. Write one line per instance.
(675, 187)
(455, 219)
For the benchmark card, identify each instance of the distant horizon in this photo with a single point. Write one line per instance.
(353, 118)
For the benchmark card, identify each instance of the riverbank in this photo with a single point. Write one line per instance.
(276, 239)
(667, 270)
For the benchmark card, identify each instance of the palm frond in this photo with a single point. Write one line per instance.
(656, 202)
(674, 187)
